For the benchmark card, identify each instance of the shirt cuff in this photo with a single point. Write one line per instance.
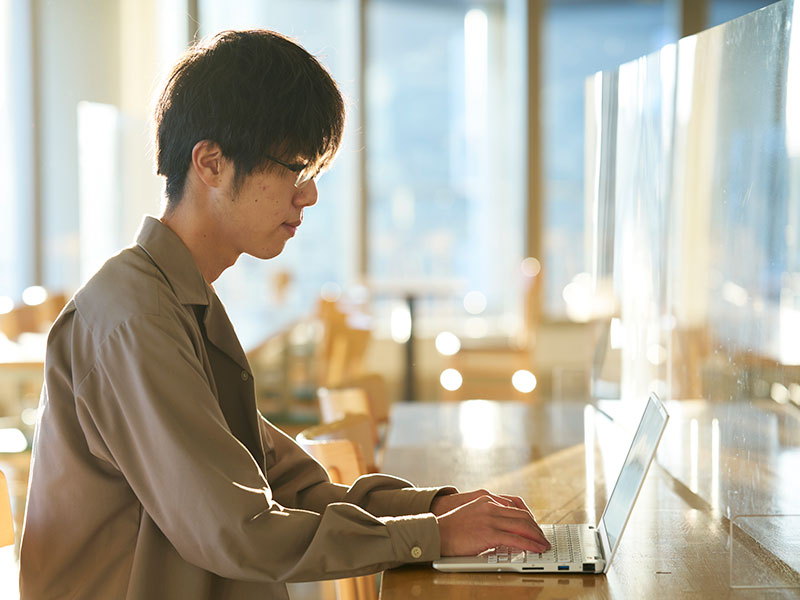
(415, 538)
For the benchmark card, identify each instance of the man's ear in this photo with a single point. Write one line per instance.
(208, 163)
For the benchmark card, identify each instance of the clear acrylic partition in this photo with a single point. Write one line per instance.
(751, 566)
(693, 230)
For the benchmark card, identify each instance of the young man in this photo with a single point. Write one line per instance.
(153, 474)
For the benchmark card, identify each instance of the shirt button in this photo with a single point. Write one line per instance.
(245, 375)
(416, 552)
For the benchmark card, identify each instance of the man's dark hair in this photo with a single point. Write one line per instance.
(256, 94)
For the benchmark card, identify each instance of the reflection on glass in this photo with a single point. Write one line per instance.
(579, 39)
(715, 464)
(700, 249)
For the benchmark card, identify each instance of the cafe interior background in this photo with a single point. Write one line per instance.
(461, 247)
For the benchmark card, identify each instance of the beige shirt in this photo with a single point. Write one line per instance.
(153, 474)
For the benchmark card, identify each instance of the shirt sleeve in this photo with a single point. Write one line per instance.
(147, 408)
(298, 480)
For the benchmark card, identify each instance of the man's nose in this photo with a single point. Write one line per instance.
(307, 195)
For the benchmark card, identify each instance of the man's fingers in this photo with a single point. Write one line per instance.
(485, 522)
(517, 501)
(498, 498)
(517, 541)
(520, 522)
(504, 500)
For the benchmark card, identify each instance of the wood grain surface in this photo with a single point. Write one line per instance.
(563, 459)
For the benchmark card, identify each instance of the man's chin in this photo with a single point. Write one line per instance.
(267, 253)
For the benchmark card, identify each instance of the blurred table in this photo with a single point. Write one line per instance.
(562, 458)
(21, 372)
(409, 291)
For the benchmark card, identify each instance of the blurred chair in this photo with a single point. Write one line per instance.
(342, 446)
(692, 347)
(338, 447)
(337, 403)
(342, 347)
(374, 386)
(322, 350)
(486, 365)
(36, 318)
(6, 518)
(341, 422)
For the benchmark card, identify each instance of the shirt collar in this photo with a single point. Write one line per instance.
(173, 258)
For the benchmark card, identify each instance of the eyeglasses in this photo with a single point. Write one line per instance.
(303, 171)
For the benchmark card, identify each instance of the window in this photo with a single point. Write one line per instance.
(446, 151)
(16, 151)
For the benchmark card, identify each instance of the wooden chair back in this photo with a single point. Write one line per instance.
(35, 319)
(377, 406)
(345, 337)
(354, 428)
(343, 459)
(374, 385)
(6, 518)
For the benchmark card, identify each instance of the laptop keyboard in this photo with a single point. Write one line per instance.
(565, 542)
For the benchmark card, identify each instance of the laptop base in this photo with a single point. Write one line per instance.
(589, 560)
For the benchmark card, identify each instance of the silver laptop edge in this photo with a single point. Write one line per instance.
(609, 549)
(653, 418)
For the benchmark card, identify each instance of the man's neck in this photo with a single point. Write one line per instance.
(200, 233)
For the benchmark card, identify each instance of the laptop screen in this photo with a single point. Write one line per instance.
(630, 479)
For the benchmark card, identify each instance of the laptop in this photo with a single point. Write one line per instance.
(582, 548)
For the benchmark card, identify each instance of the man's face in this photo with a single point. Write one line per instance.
(265, 211)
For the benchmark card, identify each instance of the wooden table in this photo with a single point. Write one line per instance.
(562, 458)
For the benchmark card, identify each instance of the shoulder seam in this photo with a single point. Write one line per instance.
(110, 334)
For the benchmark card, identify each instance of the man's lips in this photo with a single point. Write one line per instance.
(292, 226)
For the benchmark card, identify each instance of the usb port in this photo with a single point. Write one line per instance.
(563, 567)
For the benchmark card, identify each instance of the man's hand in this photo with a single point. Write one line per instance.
(446, 503)
(479, 520)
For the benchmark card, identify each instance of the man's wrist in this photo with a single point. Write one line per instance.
(439, 498)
